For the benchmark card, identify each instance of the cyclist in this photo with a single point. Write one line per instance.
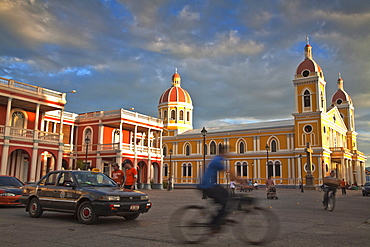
(213, 190)
(328, 188)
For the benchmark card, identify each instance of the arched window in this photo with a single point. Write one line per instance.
(165, 115)
(273, 146)
(181, 115)
(115, 136)
(241, 147)
(245, 169)
(307, 98)
(18, 120)
(212, 148)
(277, 169)
(87, 138)
(270, 169)
(220, 147)
(164, 151)
(187, 116)
(165, 170)
(187, 150)
(238, 166)
(173, 115)
(241, 169)
(186, 170)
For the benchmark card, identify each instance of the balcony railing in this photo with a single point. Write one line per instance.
(28, 134)
(16, 85)
(121, 113)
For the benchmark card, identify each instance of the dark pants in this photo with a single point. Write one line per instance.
(327, 191)
(220, 196)
(344, 191)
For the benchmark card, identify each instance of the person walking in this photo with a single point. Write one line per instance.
(117, 175)
(130, 175)
(343, 186)
(232, 187)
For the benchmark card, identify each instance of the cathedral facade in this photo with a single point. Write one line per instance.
(315, 141)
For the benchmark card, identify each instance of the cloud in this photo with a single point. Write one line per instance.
(237, 59)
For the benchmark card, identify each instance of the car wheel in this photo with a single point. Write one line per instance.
(85, 213)
(363, 194)
(131, 216)
(34, 208)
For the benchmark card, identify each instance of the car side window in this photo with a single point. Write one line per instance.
(51, 179)
(64, 178)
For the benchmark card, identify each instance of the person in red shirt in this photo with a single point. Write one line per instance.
(343, 186)
(117, 175)
(130, 175)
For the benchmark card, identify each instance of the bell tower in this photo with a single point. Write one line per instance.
(310, 100)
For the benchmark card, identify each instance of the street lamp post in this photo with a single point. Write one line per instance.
(170, 180)
(87, 142)
(267, 160)
(300, 157)
(171, 170)
(204, 133)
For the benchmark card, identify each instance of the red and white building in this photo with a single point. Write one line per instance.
(37, 135)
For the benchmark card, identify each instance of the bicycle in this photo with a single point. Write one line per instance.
(329, 200)
(254, 225)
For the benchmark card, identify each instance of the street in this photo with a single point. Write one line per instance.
(303, 221)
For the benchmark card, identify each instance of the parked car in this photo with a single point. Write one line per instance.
(88, 194)
(366, 189)
(10, 190)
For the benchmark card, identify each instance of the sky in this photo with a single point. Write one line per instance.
(236, 58)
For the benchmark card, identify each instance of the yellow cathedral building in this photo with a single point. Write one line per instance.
(315, 141)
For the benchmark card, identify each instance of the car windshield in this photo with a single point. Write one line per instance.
(87, 179)
(367, 184)
(10, 181)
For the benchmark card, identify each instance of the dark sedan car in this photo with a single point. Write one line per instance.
(366, 189)
(87, 194)
(10, 190)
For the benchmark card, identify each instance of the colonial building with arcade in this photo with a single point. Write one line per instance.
(37, 136)
(316, 140)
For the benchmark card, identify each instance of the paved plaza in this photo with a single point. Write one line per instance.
(303, 222)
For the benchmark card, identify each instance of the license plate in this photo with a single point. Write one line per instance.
(134, 207)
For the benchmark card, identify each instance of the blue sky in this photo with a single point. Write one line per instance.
(237, 59)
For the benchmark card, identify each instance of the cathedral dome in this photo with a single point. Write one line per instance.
(175, 93)
(340, 96)
(308, 67)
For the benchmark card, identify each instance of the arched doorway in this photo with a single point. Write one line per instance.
(156, 176)
(47, 163)
(142, 172)
(19, 165)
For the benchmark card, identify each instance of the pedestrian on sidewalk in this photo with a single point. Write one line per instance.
(343, 186)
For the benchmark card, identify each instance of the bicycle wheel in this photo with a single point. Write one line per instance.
(256, 226)
(190, 224)
(331, 203)
(326, 200)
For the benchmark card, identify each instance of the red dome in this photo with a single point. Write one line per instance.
(308, 64)
(175, 94)
(340, 94)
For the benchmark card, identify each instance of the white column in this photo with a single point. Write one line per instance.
(351, 173)
(8, 109)
(4, 159)
(100, 137)
(33, 174)
(120, 136)
(35, 132)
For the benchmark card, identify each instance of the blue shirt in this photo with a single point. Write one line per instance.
(209, 179)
